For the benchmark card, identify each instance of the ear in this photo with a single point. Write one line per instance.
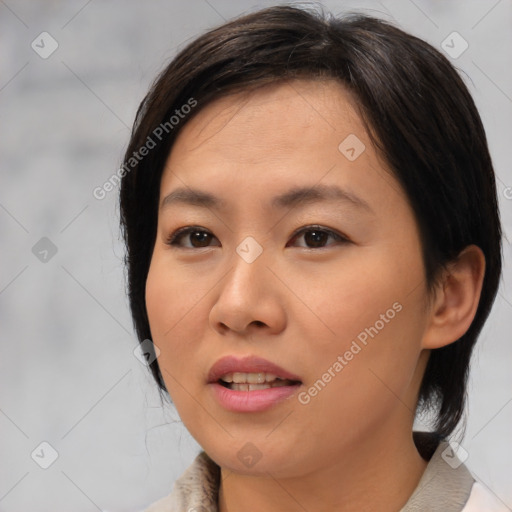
(456, 299)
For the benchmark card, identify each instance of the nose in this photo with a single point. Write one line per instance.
(249, 299)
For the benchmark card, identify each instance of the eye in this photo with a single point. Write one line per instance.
(317, 236)
(200, 238)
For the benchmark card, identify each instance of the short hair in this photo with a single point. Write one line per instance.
(418, 113)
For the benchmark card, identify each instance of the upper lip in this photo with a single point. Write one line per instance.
(248, 364)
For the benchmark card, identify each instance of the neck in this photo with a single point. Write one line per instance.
(380, 474)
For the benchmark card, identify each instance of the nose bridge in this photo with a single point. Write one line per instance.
(248, 266)
(247, 295)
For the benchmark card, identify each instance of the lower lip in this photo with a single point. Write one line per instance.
(251, 401)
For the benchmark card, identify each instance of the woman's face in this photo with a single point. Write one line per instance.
(327, 285)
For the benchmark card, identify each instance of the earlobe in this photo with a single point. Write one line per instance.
(456, 300)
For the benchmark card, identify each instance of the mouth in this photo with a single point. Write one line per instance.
(238, 381)
(250, 384)
(243, 374)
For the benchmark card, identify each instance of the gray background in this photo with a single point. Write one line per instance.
(68, 372)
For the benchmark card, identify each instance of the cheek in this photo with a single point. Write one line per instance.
(171, 296)
(350, 296)
(176, 320)
(370, 314)
(353, 387)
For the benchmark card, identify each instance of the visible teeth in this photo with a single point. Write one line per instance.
(249, 378)
(248, 387)
(253, 387)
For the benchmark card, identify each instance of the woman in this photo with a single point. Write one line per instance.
(313, 246)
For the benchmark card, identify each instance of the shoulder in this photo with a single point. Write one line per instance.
(196, 489)
(482, 500)
(447, 484)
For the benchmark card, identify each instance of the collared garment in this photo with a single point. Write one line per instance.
(446, 485)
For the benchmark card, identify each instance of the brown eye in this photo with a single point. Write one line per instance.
(316, 237)
(197, 237)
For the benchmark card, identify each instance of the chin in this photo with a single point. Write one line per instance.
(258, 458)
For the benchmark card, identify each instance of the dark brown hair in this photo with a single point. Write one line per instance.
(417, 109)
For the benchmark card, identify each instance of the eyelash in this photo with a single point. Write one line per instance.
(175, 237)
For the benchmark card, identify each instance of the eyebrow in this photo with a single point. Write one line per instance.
(295, 197)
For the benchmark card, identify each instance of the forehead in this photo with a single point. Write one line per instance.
(301, 133)
(287, 115)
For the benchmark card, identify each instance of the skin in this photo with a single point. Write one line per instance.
(300, 304)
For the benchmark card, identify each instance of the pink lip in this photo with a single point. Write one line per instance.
(249, 401)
